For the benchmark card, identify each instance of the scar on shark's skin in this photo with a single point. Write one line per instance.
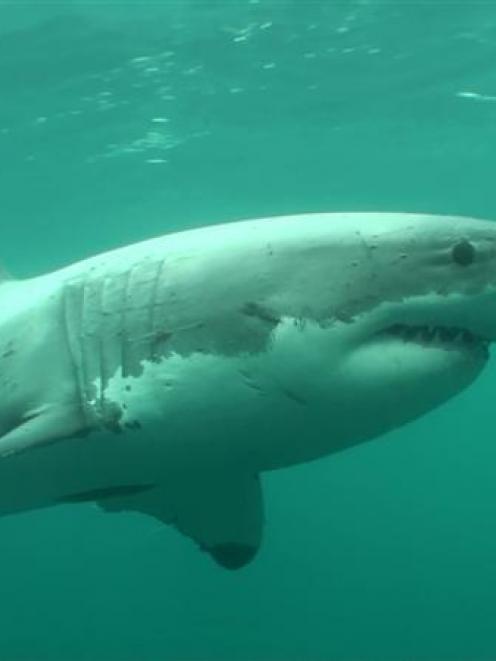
(166, 376)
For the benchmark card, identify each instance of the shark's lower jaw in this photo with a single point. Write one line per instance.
(443, 337)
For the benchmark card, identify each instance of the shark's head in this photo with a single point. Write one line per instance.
(374, 319)
(398, 312)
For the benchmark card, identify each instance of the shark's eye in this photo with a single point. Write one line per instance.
(463, 253)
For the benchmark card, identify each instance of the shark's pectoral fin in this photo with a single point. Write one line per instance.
(40, 426)
(222, 513)
(225, 516)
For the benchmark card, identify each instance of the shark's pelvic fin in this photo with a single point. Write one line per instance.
(222, 513)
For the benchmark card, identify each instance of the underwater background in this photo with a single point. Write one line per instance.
(121, 121)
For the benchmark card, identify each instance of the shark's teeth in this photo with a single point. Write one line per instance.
(443, 335)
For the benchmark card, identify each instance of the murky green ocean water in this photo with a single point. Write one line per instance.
(121, 121)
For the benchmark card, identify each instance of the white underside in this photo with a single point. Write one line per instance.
(263, 410)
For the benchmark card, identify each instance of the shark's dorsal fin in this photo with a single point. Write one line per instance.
(222, 513)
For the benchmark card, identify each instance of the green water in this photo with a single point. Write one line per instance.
(121, 121)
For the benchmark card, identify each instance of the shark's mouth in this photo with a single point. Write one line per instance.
(446, 337)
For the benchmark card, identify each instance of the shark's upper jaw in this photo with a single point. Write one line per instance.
(450, 338)
(459, 323)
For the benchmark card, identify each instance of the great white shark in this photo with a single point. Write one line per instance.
(165, 377)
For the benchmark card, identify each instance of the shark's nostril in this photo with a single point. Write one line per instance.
(463, 253)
